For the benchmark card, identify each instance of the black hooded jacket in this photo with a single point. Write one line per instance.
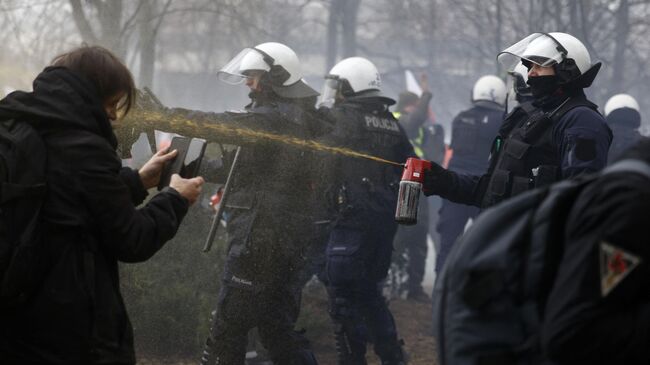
(90, 223)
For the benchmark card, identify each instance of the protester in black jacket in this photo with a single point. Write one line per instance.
(89, 217)
(598, 311)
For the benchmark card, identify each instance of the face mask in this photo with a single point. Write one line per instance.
(541, 86)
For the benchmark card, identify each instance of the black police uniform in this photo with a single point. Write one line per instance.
(267, 234)
(625, 123)
(473, 132)
(598, 311)
(553, 138)
(360, 245)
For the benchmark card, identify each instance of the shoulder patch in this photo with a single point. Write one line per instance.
(615, 265)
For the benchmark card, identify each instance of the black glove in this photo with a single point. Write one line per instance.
(438, 181)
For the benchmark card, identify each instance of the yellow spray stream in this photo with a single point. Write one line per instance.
(141, 120)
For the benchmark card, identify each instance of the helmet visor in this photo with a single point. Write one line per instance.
(330, 90)
(244, 65)
(538, 48)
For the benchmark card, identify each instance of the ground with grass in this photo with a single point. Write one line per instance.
(413, 322)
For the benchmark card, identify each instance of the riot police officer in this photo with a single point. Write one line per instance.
(473, 132)
(266, 222)
(364, 197)
(559, 136)
(622, 115)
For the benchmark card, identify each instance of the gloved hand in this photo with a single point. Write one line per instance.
(438, 180)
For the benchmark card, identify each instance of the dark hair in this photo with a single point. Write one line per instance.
(101, 67)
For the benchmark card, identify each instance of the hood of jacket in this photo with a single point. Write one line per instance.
(61, 99)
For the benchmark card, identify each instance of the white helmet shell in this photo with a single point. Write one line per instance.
(575, 50)
(360, 73)
(546, 49)
(279, 61)
(489, 88)
(282, 56)
(620, 101)
(520, 70)
(262, 58)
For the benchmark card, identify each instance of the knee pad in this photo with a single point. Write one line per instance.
(342, 310)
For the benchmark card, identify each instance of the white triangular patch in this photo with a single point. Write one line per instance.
(615, 265)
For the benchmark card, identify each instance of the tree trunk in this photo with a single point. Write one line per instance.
(622, 29)
(349, 27)
(147, 44)
(332, 33)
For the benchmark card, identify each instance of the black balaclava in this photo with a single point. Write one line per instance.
(541, 86)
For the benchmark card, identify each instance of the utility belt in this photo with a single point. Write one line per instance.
(347, 195)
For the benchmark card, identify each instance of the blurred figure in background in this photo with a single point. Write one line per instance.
(428, 140)
(473, 132)
(623, 117)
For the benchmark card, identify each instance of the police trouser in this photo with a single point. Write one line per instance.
(435, 203)
(414, 238)
(357, 263)
(315, 257)
(246, 300)
(451, 224)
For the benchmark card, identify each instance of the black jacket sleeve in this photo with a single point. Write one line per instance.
(459, 188)
(131, 179)
(581, 325)
(127, 233)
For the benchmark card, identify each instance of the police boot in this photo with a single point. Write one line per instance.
(212, 356)
(347, 353)
(209, 357)
(394, 355)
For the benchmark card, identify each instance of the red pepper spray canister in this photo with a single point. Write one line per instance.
(409, 191)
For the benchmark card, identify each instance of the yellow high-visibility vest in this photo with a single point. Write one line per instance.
(417, 141)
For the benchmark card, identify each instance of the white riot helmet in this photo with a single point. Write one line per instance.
(278, 61)
(620, 101)
(489, 88)
(518, 80)
(563, 51)
(352, 77)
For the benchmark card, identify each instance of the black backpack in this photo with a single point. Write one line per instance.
(489, 298)
(22, 191)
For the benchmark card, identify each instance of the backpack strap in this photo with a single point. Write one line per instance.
(629, 165)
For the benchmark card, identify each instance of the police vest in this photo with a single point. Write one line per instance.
(473, 132)
(524, 154)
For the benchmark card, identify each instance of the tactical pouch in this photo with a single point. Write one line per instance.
(516, 149)
(520, 184)
(499, 183)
